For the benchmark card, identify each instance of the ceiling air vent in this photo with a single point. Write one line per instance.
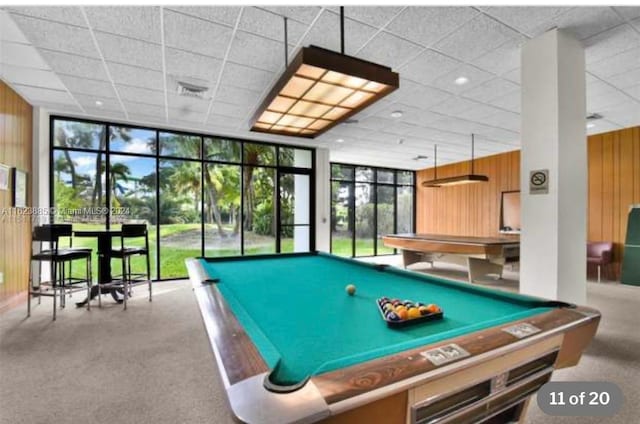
(192, 90)
(421, 157)
(594, 116)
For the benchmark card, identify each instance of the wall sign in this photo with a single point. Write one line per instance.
(539, 181)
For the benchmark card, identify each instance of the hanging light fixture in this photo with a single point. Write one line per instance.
(460, 179)
(320, 89)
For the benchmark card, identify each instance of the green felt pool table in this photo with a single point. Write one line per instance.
(292, 346)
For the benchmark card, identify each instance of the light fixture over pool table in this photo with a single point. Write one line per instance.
(319, 89)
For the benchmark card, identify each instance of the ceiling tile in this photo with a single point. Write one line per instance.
(525, 19)
(184, 64)
(30, 76)
(428, 66)
(507, 120)
(89, 102)
(427, 25)
(102, 114)
(326, 33)
(246, 77)
(270, 25)
(21, 55)
(97, 88)
(141, 95)
(420, 96)
(143, 108)
(137, 77)
(617, 64)
(54, 36)
(129, 51)
(454, 106)
(228, 109)
(221, 14)
(490, 90)
(503, 58)
(513, 75)
(584, 22)
(304, 14)
(147, 119)
(374, 123)
(195, 35)
(259, 52)
(188, 104)
(186, 115)
(627, 79)
(478, 112)
(634, 91)
(476, 77)
(509, 101)
(38, 95)
(237, 96)
(628, 12)
(139, 22)
(636, 24)
(70, 64)
(62, 14)
(611, 43)
(376, 16)
(223, 121)
(475, 38)
(9, 31)
(388, 50)
(60, 107)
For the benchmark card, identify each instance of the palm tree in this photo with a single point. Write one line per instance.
(118, 172)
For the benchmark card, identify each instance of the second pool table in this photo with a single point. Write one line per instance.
(292, 346)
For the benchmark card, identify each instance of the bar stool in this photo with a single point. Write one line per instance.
(125, 253)
(57, 258)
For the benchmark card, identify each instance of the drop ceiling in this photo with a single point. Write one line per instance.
(129, 59)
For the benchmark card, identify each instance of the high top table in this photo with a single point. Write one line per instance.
(104, 250)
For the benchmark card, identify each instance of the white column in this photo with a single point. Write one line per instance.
(323, 200)
(553, 238)
(301, 212)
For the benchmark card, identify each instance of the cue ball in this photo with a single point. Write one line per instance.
(351, 289)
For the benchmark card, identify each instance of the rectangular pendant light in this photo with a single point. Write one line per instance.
(318, 90)
(459, 179)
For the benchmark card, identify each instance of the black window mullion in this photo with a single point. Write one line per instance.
(107, 174)
(202, 183)
(158, 262)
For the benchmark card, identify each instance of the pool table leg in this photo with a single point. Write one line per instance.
(480, 267)
(411, 257)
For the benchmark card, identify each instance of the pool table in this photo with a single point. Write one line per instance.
(292, 346)
(481, 255)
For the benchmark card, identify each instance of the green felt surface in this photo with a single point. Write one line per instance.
(296, 310)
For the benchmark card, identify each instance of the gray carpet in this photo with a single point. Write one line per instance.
(152, 363)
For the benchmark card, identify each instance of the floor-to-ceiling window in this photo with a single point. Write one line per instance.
(366, 204)
(198, 194)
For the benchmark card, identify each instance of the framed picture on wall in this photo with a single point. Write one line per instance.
(19, 188)
(4, 177)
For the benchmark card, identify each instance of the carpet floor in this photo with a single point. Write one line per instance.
(152, 363)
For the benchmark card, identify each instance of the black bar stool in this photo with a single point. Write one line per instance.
(57, 258)
(125, 253)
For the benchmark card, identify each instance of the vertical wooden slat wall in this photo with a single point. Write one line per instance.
(614, 184)
(15, 236)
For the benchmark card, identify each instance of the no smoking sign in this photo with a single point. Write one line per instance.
(539, 181)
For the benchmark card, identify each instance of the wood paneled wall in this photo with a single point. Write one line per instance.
(470, 209)
(15, 235)
(614, 184)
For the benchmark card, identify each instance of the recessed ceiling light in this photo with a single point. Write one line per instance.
(99, 103)
(401, 141)
(461, 80)
(396, 114)
(590, 125)
(340, 140)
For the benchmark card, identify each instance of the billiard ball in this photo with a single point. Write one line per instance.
(413, 313)
(351, 289)
(433, 308)
(392, 316)
(423, 310)
(402, 313)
